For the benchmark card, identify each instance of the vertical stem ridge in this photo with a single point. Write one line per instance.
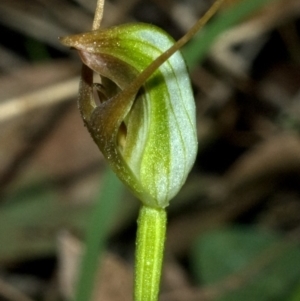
(149, 253)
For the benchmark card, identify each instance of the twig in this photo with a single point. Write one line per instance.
(56, 93)
(98, 14)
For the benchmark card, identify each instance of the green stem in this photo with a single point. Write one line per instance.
(149, 253)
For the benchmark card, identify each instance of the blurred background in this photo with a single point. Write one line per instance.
(233, 231)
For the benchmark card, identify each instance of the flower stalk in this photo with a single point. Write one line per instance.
(149, 253)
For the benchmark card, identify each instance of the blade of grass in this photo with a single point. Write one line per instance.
(194, 52)
(101, 219)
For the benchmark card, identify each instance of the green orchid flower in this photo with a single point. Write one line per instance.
(147, 133)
